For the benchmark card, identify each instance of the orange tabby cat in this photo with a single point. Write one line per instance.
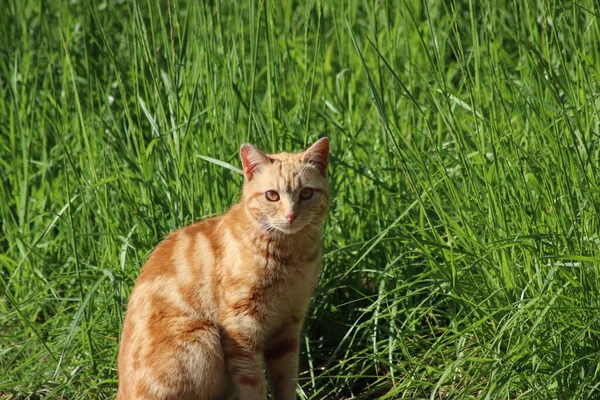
(222, 298)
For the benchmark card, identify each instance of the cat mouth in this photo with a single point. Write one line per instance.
(287, 228)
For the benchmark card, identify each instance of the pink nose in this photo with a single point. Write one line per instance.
(291, 217)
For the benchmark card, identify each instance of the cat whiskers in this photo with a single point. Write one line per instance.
(313, 227)
(261, 229)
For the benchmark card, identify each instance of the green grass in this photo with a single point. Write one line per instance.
(462, 249)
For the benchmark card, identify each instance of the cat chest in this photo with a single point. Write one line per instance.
(270, 292)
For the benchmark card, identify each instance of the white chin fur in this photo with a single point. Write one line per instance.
(287, 228)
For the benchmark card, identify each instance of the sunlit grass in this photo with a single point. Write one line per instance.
(461, 250)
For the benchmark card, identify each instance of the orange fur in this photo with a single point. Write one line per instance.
(220, 299)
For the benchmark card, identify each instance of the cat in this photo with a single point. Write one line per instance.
(222, 298)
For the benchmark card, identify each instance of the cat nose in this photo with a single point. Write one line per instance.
(291, 217)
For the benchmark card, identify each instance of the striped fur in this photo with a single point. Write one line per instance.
(221, 299)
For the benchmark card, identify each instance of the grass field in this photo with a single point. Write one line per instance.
(462, 248)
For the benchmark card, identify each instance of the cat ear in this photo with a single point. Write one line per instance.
(252, 160)
(318, 154)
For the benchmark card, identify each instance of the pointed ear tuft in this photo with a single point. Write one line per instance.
(318, 155)
(252, 160)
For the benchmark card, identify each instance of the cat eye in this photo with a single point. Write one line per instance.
(306, 193)
(272, 195)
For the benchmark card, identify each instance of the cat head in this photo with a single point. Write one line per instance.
(286, 192)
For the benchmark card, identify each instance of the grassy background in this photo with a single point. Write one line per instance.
(462, 249)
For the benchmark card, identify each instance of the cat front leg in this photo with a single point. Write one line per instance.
(281, 356)
(243, 355)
